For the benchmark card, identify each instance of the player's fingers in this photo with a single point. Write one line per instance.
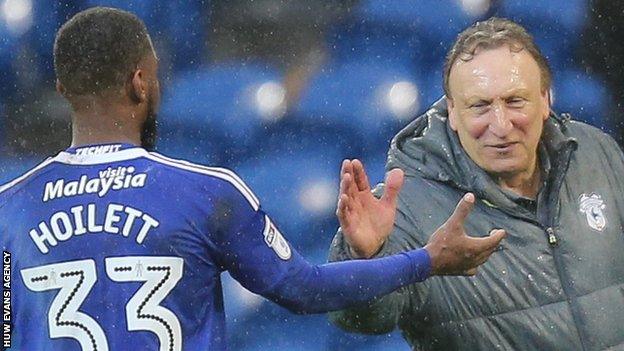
(489, 243)
(340, 206)
(485, 252)
(359, 173)
(348, 167)
(462, 210)
(351, 189)
(345, 169)
(343, 166)
(394, 182)
(347, 185)
(343, 183)
(483, 257)
(342, 212)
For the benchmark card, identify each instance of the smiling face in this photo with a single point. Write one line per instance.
(498, 108)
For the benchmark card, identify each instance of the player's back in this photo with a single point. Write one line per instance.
(114, 248)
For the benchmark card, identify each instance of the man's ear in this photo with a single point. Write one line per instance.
(546, 102)
(60, 88)
(452, 116)
(138, 87)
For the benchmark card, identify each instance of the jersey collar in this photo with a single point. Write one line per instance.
(100, 153)
(98, 149)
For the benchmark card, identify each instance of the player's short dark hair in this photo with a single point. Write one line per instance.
(490, 34)
(98, 49)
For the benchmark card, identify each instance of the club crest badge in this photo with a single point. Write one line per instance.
(592, 206)
(275, 240)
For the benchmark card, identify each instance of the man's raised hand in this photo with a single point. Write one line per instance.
(366, 221)
(453, 252)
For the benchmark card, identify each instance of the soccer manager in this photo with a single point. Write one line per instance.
(556, 186)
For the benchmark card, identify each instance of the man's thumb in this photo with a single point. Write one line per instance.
(394, 182)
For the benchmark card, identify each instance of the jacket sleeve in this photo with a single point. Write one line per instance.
(382, 315)
(614, 156)
(612, 147)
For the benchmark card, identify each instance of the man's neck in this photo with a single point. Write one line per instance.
(526, 184)
(98, 124)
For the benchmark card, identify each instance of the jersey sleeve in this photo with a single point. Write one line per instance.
(254, 251)
(249, 244)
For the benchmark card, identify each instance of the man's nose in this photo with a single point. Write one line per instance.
(500, 124)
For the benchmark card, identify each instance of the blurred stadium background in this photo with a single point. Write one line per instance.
(282, 91)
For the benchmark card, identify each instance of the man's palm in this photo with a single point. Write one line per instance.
(365, 220)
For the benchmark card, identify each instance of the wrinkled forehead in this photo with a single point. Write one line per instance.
(492, 72)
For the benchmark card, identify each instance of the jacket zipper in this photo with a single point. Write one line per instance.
(566, 285)
(552, 238)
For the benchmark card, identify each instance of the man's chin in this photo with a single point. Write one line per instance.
(505, 168)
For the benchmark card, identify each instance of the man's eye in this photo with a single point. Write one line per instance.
(516, 102)
(478, 105)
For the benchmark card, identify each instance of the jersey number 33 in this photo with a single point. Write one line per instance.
(75, 279)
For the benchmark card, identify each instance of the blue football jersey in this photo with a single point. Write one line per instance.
(117, 248)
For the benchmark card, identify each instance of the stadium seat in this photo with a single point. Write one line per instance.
(7, 78)
(148, 11)
(367, 100)
(187, 32)
(264, 326)
(299, 189)
(356, 40)
(179, 26)
(9, 49)
(375, 166)
(239, 303)
(223, 106)
(582, 95)
(274, 328)
(567, 15)
(556, 25)
(12, 167)
(436, 23)
(48, 16)
(433, 88)
(271, 327)
(341, 340)
(256, 324)
(190, 145)
(3, 126)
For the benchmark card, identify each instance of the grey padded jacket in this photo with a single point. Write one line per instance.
(557, 280)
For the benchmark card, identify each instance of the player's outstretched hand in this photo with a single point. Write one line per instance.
(365, 220)
(453, 252)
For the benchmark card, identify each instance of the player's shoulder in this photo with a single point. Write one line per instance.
(202, 175)
(12, 187)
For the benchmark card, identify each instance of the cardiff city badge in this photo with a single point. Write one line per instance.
(592, 206)
(275, 240)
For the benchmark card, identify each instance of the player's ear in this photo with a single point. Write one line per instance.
(138, 87)
(60, 88)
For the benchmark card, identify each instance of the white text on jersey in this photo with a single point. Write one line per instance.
(97, 150)
(62, 225)
(109, 179)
